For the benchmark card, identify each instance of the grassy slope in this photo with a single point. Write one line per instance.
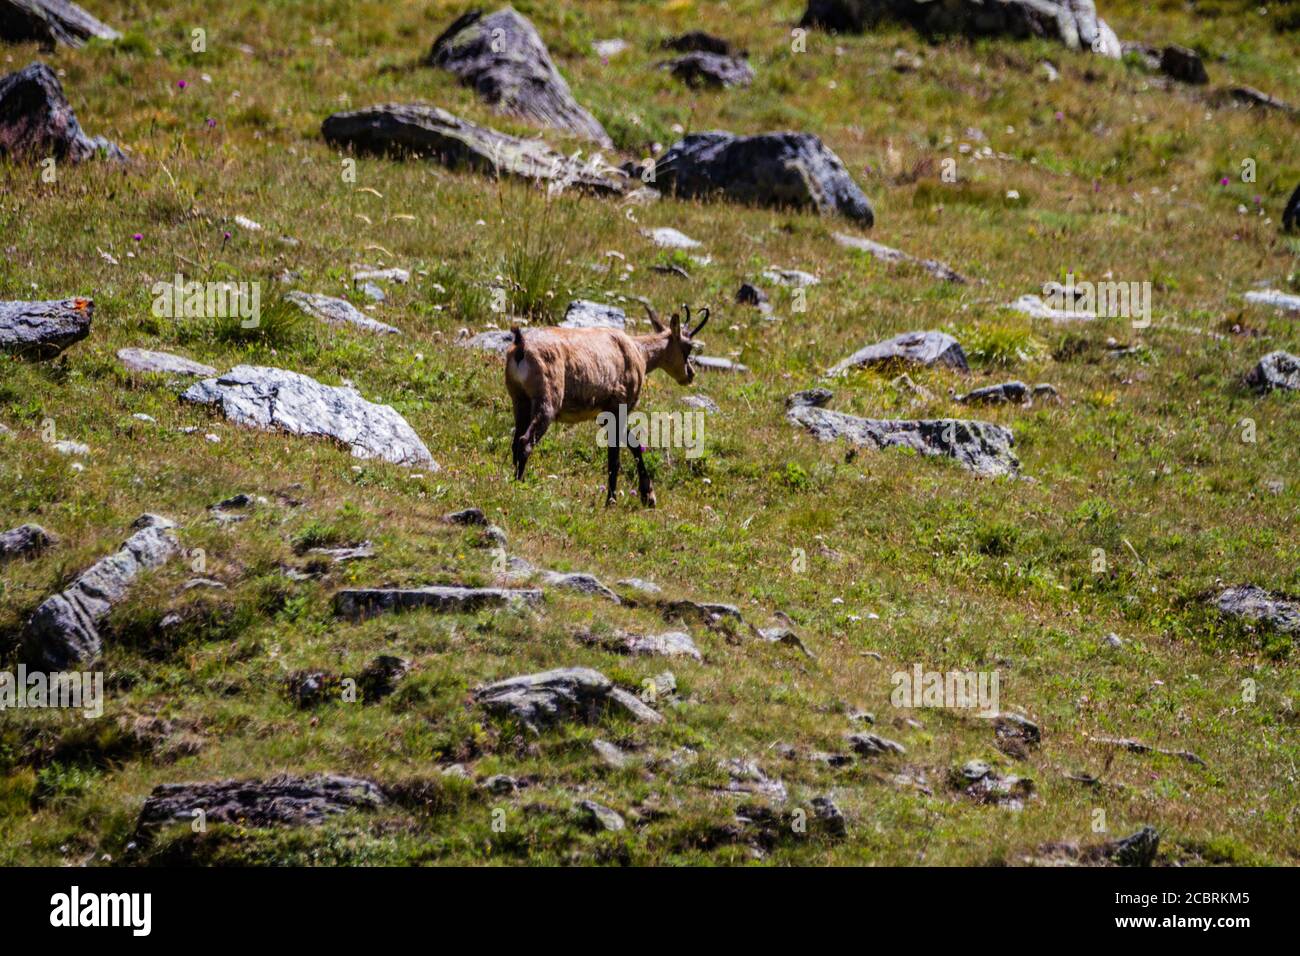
(962, 573)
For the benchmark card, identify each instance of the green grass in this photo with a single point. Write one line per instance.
(905, 560)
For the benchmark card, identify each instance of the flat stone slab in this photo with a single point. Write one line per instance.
(667, 644)
(493, 340)
(565, 694)
(36, 121)
(771, 169)
(502, 57)
(926, 349)
(1275, 299)
(714, 363)
(1275, 370)
(666, 237)
(63, 631)
(280, 801)
(583, 314)
(272, 398)
(1036, 308)
(700, 68)
(144, 360)
(41, 330)
(939, 270)
(50, 22)
(358, 603)
(1013, 393)
(25, 540)
(420, 130)
(1277, 612)
(980, 447)
(338, 312)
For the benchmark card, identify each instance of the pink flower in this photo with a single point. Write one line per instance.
(211, 123)
(1059, 115)
(181, 84)
(1223, 181)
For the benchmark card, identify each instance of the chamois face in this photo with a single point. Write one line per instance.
(677, 357)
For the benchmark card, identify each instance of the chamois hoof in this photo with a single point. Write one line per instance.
(648, 500)
(609, 501)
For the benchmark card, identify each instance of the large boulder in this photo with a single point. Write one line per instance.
(263, 397)
(421, 130)
(50, 22)
(37, 123)
(1073, 22)
(1275, 370)
(64, 630)
(926, 349)
(770, 169)
(284, 800)
(41, 330)
(502, 57)
(981, 447)
(570, 693)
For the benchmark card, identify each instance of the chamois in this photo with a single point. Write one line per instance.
(573, 375)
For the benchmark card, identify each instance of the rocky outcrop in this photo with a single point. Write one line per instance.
(26, 540)
(926, 349)
(1268, 609)
(36, 121)
(981, 447)
(502, 57)
(272, 398)
(939, 270)
(770, 169)
(572, 693)
(50, 22)
(280, 801)
(1073, 22)
(357, 603)
(164, 363)
(420, 130)
(710, 70)
(41, 330)
(64, 630)
(338, 312)
(1275, 370)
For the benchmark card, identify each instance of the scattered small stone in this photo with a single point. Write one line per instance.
(699, 68)
(667, 644)
(939, 270)
(668, 238)
(1016, 735)
(1275, 370)
(574, 693)
(143, 360)
(338, 312)
(1271, 609)
(924, 349)
(829, 816)
(984, 785)
(601, 817)
(872, 745)
(358, 603)
(1138, 747)
(610, 754)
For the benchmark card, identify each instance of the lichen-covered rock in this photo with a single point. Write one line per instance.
(338, 312)
(1016, 393)
(64, 630)
(981, 447)
(571, 693)
(36, 121)
(24, 541)
(667, 644)
(1275, 299)
(41, 330)
(1275, 370)
(359, 603)
(420, 130)
(144, 360)
(263, 397)
(280, 801)
(1073, 22)
(1277, 612)
(50, 22)
(770, 169)
(504, 59)
(939, 270)
(926, 349)
(582, 314)
(710, 69)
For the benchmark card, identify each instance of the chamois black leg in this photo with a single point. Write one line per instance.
(532, 435)
(523, 412)
(613, 471)
(644, 488)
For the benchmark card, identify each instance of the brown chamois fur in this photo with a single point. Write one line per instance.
(573, 375)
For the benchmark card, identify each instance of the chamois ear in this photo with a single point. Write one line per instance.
(677, 326)
(653, 315)
(696, 331)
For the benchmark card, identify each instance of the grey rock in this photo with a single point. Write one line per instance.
(25, 540)
(357, 603)
(828, 816)
(713, 363)
(601, 817)
(65, 446)
(41, 330)
(984, 785)
(492, 340)
(791, 278)
(939, 270)
(702, 402)
(1139, 747)
(1275, 299)
(36, 121)
(468, 517)
(581, 582)
(1250, 97)
(611, 755)
(1034, 307)
(284, 800)
(1183, 65)
(338, 312)
(770, 169)
(582, 314)
(1275, 370)
(751, 295)
(1272, 610)
(697, 40)
(426, 131)
(926, 349)
(711, 614)
(783, 635)
(1014, 393)
(1136, 849)
(641, 586)
(1073, 22)
(500, 784)
(193, 583)
(394, 274)
(667, 644)
(144, 360)
(262, 397)
(64, 629)
(374, 294)
(573, 693)
(747, 777)
(666, 237)
(710, 69)
(873, 745)
(981, 447)
(356, 552)
(50, 22)
(502, 57)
